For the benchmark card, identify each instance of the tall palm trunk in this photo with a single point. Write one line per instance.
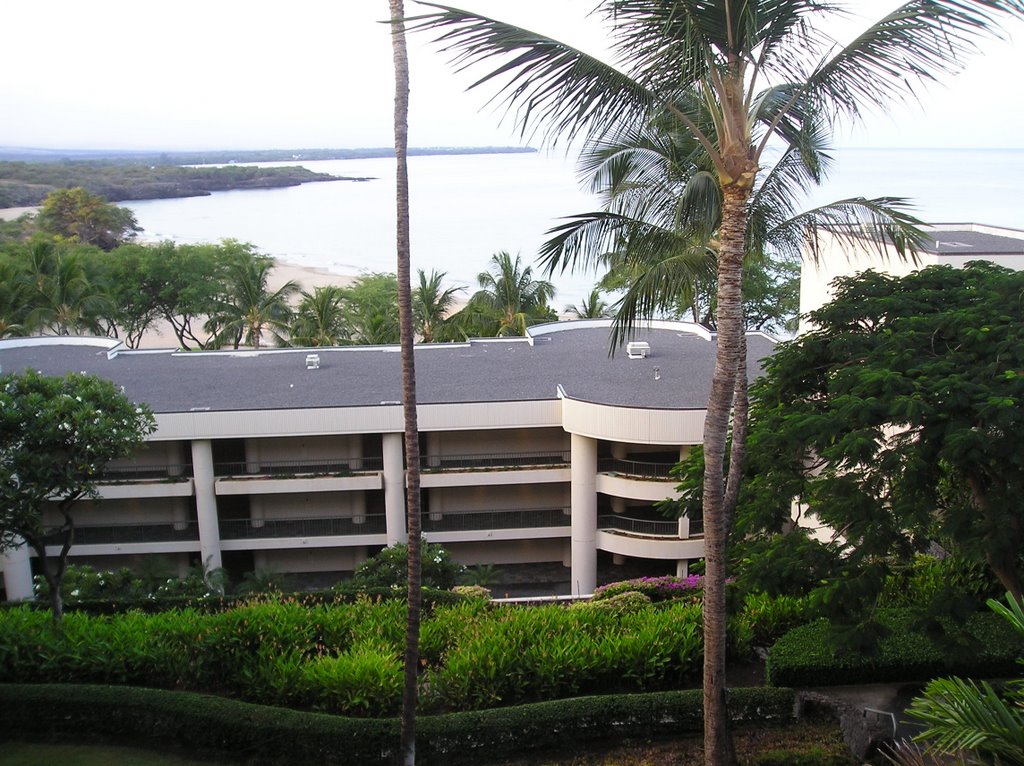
(412, 437)
(718, 745)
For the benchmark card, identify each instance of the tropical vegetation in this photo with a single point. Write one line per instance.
(736, 79)
(56, 436)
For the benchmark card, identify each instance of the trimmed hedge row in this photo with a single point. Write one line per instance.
(986, 646)
(343, 593)
(206, 725)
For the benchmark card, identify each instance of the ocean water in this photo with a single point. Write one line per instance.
(465, 208)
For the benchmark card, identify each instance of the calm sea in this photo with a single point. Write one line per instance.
(466, 208)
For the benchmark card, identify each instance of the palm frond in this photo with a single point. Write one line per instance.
(914, 44)
(539, 80)
(857, 223)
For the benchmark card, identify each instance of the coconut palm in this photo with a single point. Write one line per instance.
(65, 300)
(320, 318)
(248, 308)
(411, 658)
(432, 305)
(662, 208)
(736, 76)
(509, 299)
(591, 307)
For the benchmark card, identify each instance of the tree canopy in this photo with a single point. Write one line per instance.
(85, 217)
(56, 436)
(897, 419)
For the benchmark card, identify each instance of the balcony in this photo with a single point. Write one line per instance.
(124, 474)
(466, 521)
(118, 534)
(648, 538)
(647, 527)
(500, 460)
(636, 468)
(289, 468)
(330, 526)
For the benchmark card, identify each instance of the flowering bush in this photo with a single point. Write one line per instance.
(621, 603)
(664, 588)
(473, 592)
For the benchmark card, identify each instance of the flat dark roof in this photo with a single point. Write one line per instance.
(676, 374)
(953, 239)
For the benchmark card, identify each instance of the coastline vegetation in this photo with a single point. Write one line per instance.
(28, 183)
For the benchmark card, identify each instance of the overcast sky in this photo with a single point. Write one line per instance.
(202, 74)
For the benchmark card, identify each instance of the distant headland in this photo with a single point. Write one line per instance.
(27, 175)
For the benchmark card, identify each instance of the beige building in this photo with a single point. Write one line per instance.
(543, 456)
(953, 244)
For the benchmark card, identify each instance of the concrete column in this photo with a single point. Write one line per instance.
(436, 503)
(618, 505)
(252, 456)
(618, 450)
(17, 573)
(684, 527)
(682, 568)
(172, 451)
(358, 507)
(394, 489)
(434, 449)
(180, 513)
(583, 475)
(206, 503)
(257, 511)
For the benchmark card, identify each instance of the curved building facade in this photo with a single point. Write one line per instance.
(546, 450)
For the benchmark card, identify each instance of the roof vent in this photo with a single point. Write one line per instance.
(312, 361)
(638, 349)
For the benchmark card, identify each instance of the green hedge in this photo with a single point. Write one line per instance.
(985, 646)
(205, 725)
(344, 593)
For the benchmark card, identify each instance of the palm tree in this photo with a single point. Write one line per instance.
(65, 300)
(736, 76)
(509, 298)
(591, 307)
(662, 208)
(249, 308)
(411, 660)
(432, 305)
(320, 318)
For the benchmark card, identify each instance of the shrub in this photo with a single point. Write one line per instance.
(213, 726)
(629, 601)
(478, 592)
(809, 656)
(662, 588)
(389, 568)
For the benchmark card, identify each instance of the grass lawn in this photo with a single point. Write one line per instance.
(26, 754)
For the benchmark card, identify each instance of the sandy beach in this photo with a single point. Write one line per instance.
(10, 213)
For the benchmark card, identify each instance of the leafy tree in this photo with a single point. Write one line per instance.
(56, 436)
(389, 568)
(371, 310)
(431, 306)
(738, 77)
(132, 306)
(896, 420)
(185, 282)
(320, 318)
(248, 307)
(79, 215)
(509, 299)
